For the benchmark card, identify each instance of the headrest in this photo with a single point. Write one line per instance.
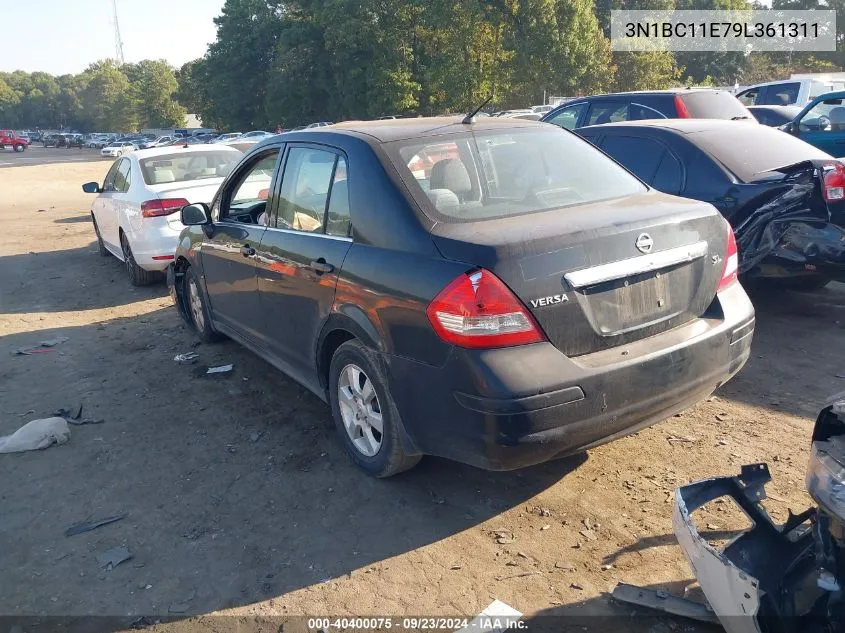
(450, 174)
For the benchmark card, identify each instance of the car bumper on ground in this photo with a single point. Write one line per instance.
(513, 407)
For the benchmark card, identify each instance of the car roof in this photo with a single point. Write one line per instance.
(668, 91)
(388, 130)
(680, 126)
(836, 94)
(178, 149)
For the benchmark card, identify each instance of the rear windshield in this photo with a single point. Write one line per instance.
(748, 150)
(185, 166)
(494, 174)
(713, 104)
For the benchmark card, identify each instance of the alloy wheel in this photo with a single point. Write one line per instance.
(360, 410)
(196, 305)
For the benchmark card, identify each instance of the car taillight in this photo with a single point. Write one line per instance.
(163, 206)
(477, 310)
(834, 182)
(681, 108)
(731, 268)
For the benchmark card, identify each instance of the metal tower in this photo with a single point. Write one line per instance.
(118, 43)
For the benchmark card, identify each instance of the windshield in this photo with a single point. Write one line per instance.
(187, 166)
(714, 104)
(749, 150)
(495, 174)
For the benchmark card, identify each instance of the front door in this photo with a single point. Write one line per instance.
(239, 219)
(302, 253)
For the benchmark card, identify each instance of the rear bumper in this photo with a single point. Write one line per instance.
(509, 408)
(154, 247)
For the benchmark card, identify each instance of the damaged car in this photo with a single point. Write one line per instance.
(776, 578)
(784, 198)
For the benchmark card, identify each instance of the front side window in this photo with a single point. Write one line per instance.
(825, 116)
(749, 97)
(504, 173)
(568, 117)
(122, 179)
(108, 183)
(247, 199)
(305, 189)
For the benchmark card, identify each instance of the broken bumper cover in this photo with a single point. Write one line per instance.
(741, 581)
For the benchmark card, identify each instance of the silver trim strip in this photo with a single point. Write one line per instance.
(323, 235)
(636, 265)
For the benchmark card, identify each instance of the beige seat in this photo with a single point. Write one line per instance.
(163, 176)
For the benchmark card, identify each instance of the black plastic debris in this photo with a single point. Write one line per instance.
(87, 526)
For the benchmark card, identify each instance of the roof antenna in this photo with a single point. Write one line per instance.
(470, 118)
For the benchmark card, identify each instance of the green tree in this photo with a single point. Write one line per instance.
(236, 67)
(154, 84)
(108, 99)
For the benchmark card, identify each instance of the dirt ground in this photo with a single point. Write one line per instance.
(239, 499)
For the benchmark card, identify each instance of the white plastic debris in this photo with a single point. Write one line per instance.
(222, 369)
(36, 435)
(182, 358)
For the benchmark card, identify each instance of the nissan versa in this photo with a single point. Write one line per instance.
(496, 292)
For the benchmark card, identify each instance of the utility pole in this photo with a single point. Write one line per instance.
(118, 43)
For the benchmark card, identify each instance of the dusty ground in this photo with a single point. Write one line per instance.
(238, 496)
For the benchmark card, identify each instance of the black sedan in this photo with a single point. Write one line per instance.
(495, 292)
(784, 198)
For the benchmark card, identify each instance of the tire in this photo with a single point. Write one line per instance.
(197, 308)
(19, 147)
(379, 454)
(137, 275)
(101, 246)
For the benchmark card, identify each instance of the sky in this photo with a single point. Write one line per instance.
(65, 36)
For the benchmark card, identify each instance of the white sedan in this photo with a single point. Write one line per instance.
(118, 148)
(136, 214)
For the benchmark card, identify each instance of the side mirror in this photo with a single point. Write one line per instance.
(91, 187)
(789, 128)
(195, 214)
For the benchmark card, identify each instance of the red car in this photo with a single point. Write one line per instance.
(8, 137)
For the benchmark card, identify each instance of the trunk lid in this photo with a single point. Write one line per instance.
(581, 274)
(192, 191)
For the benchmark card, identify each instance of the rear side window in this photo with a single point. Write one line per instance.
(748, 150)
(504, 173)
(669, 177)
(780, 94)
(602, 112)
(640, 155)
(713, 104)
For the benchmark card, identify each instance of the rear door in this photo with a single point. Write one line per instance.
(239, 215)
(302, 253)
